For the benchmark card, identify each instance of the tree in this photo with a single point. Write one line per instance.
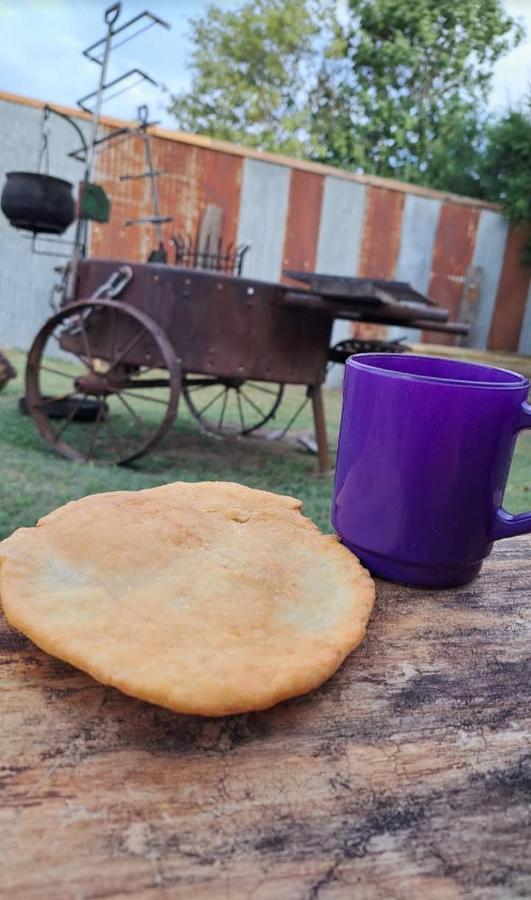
(402, 81)
(392, 87)
(252, 72)
(457, 152)
(505, 168)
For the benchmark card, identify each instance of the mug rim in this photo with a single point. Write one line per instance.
(362, 361)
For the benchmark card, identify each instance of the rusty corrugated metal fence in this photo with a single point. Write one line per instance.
(306, 216)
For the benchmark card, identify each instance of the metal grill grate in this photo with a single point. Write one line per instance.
(214, 256)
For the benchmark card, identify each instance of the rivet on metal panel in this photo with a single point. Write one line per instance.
(250, 291)
(156, 278)
(241, 368)
(187, 280)
(219, 286)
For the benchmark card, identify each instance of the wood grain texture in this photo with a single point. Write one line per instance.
(405, 776)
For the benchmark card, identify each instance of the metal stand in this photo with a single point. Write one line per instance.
(99, 52)
(160, 254)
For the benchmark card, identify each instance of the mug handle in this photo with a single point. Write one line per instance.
(505, 524)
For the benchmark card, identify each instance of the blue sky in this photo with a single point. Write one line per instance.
(41, 43)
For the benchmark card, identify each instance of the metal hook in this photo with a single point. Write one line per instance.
(143, 114)
(112, 13)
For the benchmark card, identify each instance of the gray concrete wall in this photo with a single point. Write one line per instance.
(26, 280)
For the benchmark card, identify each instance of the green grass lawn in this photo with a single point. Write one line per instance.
(34, 480)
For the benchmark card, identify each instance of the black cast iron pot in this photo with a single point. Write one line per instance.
(38, 203)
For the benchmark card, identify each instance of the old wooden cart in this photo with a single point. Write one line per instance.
(105, 373)
(136, 336)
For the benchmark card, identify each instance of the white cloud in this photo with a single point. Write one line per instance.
(512, 74)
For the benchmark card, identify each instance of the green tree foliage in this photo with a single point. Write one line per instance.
(505, 167)
(456, 153)
(252, 70)
(402, 81)
(392, 88)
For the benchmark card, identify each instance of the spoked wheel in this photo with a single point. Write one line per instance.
(102, 382)
(231, 405)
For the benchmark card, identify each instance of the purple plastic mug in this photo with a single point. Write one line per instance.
(425, 447)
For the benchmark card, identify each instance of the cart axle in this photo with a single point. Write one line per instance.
(96, 384)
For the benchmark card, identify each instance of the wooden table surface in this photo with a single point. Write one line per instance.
(406, 776)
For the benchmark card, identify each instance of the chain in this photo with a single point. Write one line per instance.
(44, 155)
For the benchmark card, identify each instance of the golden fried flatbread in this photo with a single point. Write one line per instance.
(209, 598)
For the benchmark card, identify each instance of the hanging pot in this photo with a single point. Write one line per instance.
(38, 203)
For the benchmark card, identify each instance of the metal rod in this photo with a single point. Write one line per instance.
(296, 414)
(140, 175)
(114, 438)
(143, 76)
(134, 35)
(240, 411)
(56, 372)
(73, 123)
(127, 132)
(136, 340)
(111, 14)
(155, 20)
(223, 408)
(153, 186)
(70, 418)
(133, 412)
(99, 95)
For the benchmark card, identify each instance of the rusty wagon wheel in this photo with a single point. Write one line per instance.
(231, 405)
(102, 382)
